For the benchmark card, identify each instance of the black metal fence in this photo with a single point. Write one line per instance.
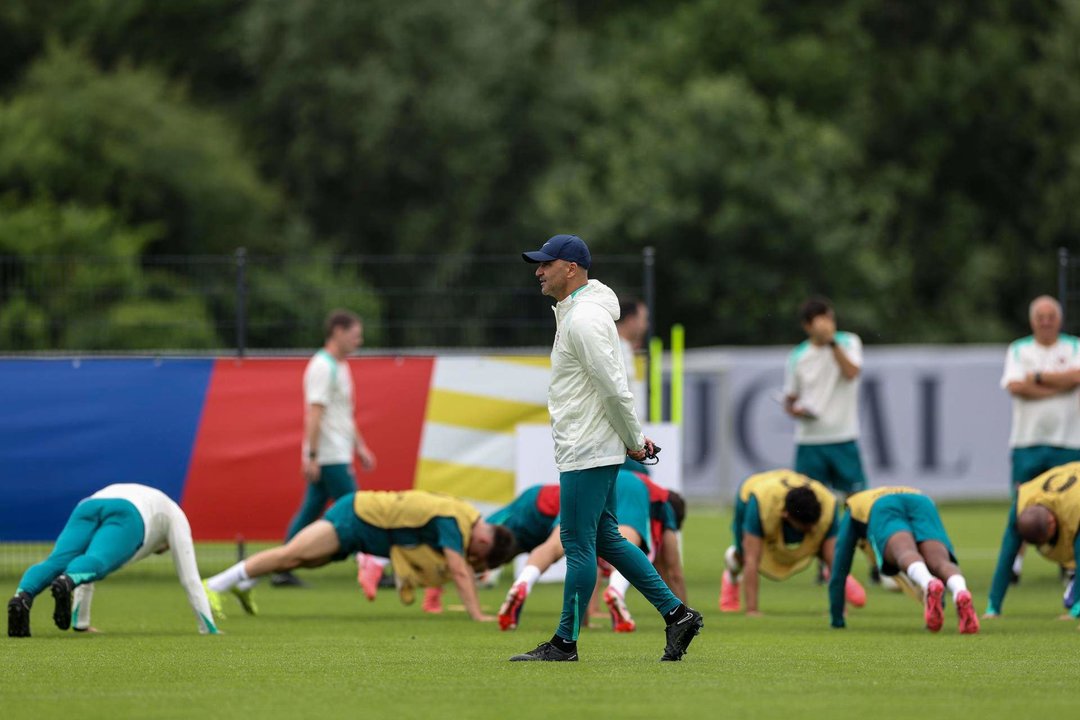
(245, 303)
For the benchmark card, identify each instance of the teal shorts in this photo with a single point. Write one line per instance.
(835, 465)
(915, 514)
(1030, 462)
(354, 534)
(632, 506)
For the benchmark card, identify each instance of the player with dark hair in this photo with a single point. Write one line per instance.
(429, 538)
(782, 521)
(1046, 514)
(902, 528)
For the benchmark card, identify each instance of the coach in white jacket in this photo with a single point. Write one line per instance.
(117, 525)
(594, 427)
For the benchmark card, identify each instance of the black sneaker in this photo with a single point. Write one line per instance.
(18, 614)
(680, 633)
(286, 579)
(548, 653)
(62, 587)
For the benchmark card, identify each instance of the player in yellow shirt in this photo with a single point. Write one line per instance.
(1045, 513)
(429, 538)
(904, 530)
(782, 521)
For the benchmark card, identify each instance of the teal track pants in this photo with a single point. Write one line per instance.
(589, 527)
(335, 481)
(99, 537)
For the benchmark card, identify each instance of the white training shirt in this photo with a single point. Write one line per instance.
(328, 382)
(1049, 421)
(593, 421)
(164, 527)
(813, 376)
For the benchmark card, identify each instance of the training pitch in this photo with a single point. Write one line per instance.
(327, 652)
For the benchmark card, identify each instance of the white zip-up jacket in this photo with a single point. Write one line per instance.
(165, 527)
(593, 421)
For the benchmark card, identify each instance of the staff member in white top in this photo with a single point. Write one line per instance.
(633, 328)
(594, 427)
(1042, 373)
(330, 434)
(117, 525)
(821, 391)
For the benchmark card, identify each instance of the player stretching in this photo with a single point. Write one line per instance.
(904, 530)
(117, 525)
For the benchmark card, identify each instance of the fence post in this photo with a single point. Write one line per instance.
(241, 301)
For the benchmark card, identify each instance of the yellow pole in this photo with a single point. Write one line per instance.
(678, 346)
(656, 379)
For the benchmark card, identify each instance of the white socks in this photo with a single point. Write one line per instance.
(732, 562)
(619, 583)
(956, 585)
(529, 576)
(227, 578)
(380, 561)
(920, 574)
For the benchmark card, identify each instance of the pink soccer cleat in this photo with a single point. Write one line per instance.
(729, 593)
(510, 611)
(368, 573)
(432, 600)
(934, 613)
(854, 592)
(621, 621)
(965, 608)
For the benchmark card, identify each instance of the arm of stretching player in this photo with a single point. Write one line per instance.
(671, 562)
(465, 581)
(1010, 545)
(752, 549)
(842, 556)
(183, 552)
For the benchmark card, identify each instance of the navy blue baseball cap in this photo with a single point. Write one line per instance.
(570, 248)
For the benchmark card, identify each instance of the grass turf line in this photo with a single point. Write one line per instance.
(326, 651)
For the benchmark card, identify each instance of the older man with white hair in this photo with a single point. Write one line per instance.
(1042, 373)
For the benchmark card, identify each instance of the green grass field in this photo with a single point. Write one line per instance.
(327, 652)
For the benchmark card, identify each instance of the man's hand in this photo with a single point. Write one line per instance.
(312, 470)
(648, 450)
(367, 458)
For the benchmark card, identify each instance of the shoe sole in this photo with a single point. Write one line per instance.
(509, 619)
(969, 619)
(933, 613)
(62, 612)
(621, 622)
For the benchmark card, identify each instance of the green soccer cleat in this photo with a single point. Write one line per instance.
(247, 599)
(214, 597)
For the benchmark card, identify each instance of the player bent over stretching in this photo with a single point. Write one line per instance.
(782, 520)
(117, 525)
(429, 538)
(904, 530)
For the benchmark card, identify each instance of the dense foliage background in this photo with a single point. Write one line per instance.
(917, 161)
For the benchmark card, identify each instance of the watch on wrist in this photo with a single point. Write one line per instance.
(832, 343)
(312, 454)
(1038, 378)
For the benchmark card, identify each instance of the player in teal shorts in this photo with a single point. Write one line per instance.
(903, 529)
(428, 537)
(633, 512)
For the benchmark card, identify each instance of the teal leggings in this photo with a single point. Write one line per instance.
(589, 528)
(335, 481)
(100, 536)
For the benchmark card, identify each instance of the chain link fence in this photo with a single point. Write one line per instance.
(242, 303)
